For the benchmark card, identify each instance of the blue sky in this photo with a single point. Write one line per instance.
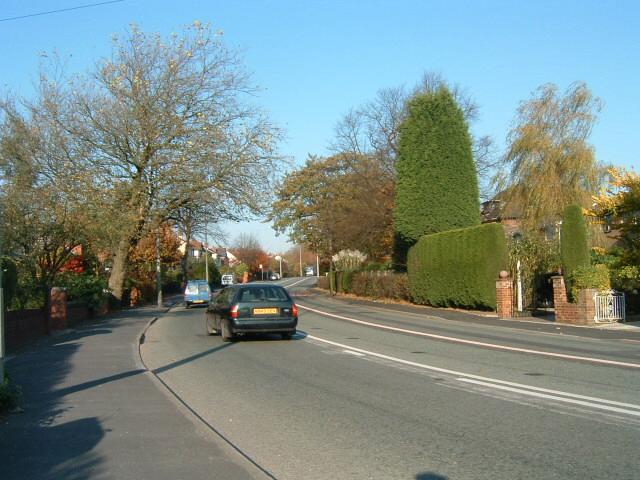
(317, 59)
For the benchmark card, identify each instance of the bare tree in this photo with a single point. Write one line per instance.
(160, 124)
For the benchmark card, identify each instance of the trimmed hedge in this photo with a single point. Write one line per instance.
(458, 268)
(376, 284)
(381, 285)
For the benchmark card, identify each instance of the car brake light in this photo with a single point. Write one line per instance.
(234, 311)
(294, 310)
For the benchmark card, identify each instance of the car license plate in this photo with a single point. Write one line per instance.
(198, 301)
(264, 311)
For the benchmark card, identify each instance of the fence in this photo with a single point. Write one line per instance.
(610, 307)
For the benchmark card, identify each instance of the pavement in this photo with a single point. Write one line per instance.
(92, 410)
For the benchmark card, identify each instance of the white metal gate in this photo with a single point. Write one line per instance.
(609, 306)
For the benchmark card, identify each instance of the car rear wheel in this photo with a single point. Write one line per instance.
(227, 335)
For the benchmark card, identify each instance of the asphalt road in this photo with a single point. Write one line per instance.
(408, 395)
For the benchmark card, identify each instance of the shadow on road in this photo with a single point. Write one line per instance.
(430, 476)
(191, 358)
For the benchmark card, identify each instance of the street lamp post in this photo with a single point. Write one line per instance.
(261, 273)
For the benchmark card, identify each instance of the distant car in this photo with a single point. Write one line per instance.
(197, 292)
(274, 276)
(308, 271)
(252, 308)
(227, 279)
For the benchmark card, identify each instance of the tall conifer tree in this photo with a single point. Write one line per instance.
(437, 185)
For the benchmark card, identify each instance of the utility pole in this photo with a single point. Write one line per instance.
(300, 259)
(206, 255)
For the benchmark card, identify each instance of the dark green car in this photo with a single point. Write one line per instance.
(252, 308)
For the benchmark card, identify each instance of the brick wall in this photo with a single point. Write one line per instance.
(582, 312)
(24, 326)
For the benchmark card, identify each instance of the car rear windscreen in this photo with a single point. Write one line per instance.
(263, 294)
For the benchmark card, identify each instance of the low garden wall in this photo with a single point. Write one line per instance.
(25, 326)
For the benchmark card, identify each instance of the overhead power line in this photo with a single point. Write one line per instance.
(60, 10)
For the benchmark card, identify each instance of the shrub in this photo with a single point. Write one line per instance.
(84, 287)
(574, 244)
(323, 282)
(346, 279)
(589, 276)
(390, 285)
(458, 268)
(350, 260)
(9, 279)
(9, 395)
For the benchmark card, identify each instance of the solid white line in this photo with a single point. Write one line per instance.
(351, 352)
(554, 397)
(295, 283)
(493, 381)
(473, 342)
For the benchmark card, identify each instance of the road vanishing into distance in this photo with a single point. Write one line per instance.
(371, 392)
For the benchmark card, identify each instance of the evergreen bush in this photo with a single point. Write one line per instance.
(458, 268)
(574, 243)
(589, 276)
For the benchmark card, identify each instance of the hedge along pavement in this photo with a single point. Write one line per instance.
(458, 268)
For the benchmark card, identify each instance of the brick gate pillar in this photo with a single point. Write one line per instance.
(58, 309)
(504, 296)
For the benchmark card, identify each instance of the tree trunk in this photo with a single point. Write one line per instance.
(184, 261)
(119, 269)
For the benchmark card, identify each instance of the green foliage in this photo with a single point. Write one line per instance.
(589, 276)
(9, 395)
(332, 282)
(458, 268)
(538, 258)
(372, 284)
(83, 287)
(29, 293)
(196, 270)
(437, 185)
(9, 279)
(574, 244)
(377, 267)
(387, 284)
(346, 278)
